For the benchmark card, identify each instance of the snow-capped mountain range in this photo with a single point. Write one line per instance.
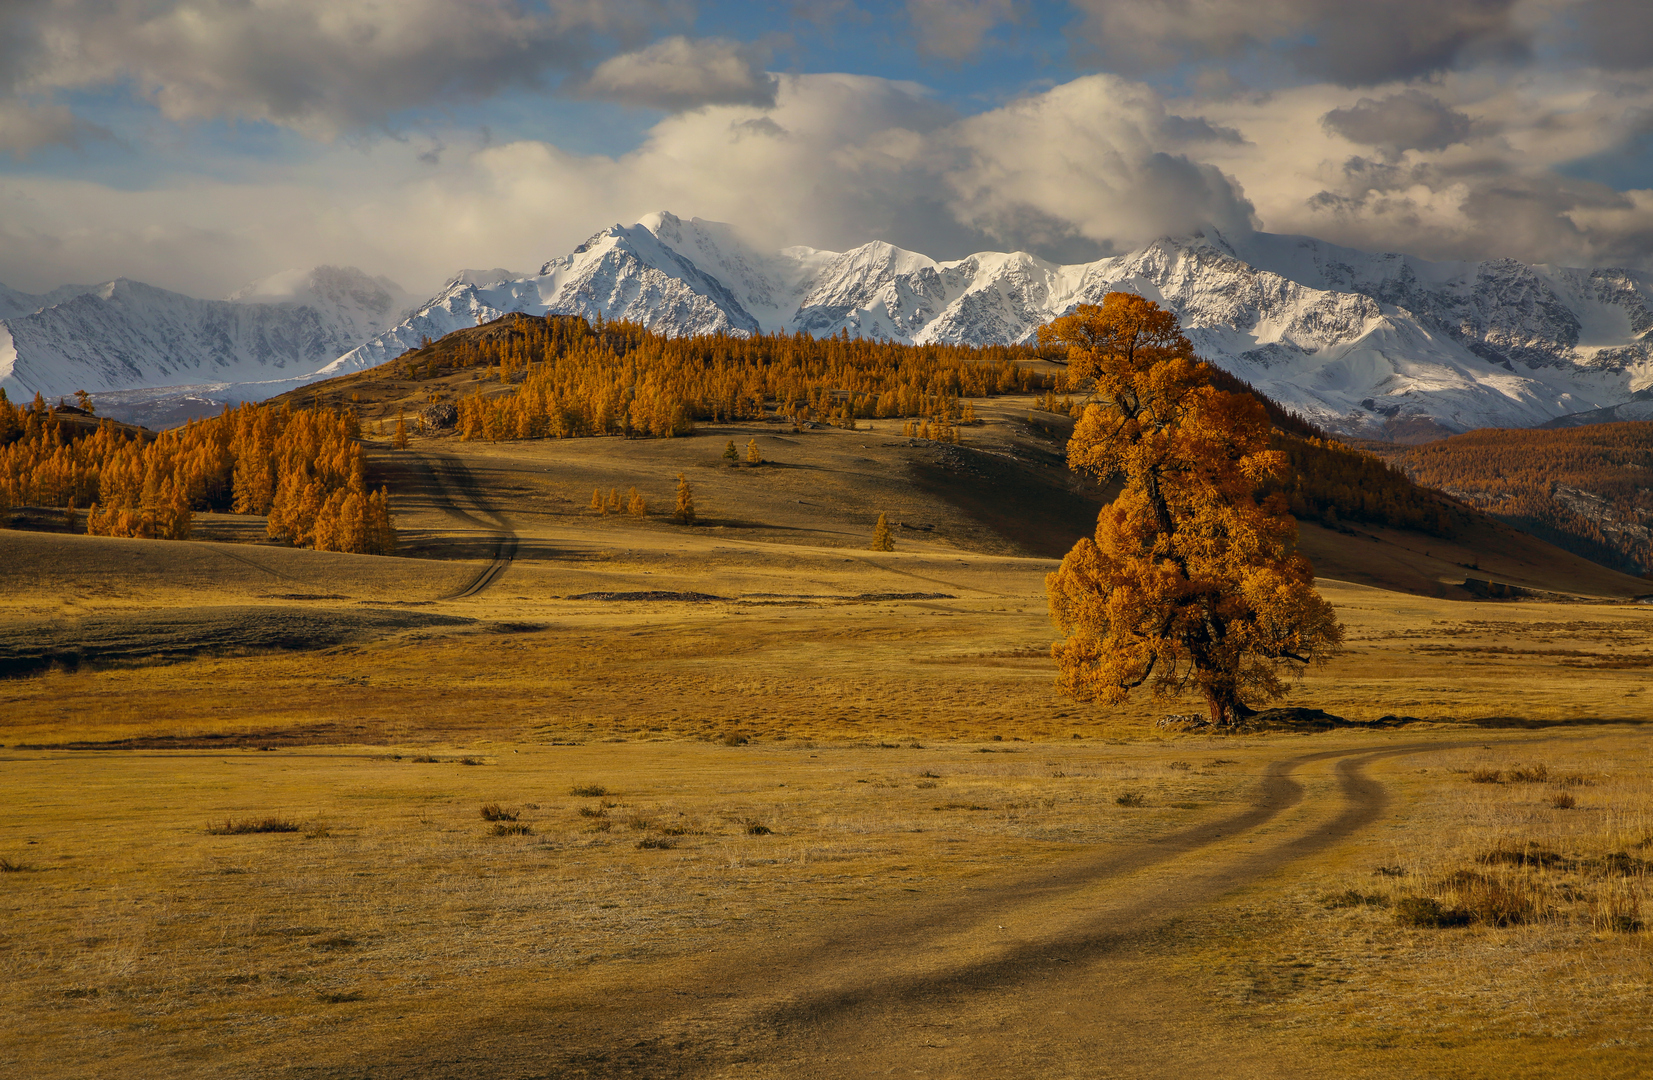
(140, 342)
(1373, 345)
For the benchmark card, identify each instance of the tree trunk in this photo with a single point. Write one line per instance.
(1226, 707)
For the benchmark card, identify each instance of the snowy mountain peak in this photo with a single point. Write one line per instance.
(1363, 343)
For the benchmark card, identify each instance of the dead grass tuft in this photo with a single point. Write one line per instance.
(1131, 798)
(588, 791)
(1529, 774)
(735, 738)
(340, 998)
(1563, 800)
(1350, 898)
(495, 812)
(243, 826)
(1494, 900)
(656, 843)
(1486, 776)
(757, 828)
(512, 828)
(9, 867)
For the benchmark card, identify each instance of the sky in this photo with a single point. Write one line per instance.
(200, 145)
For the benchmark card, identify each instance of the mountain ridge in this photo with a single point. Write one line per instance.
(1383, 346)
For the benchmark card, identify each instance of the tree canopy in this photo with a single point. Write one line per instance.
(1191, 582)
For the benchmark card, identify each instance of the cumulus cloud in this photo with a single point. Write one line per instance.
(1097, 165)
(680, 73)
(1498, 187)
(1409, 120)
(318, 66)
(1350, 44)
(1095, 154)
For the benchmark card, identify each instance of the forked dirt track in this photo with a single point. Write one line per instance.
(459, 495)
(1038, 977)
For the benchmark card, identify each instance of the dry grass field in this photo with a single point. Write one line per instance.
(565, 795)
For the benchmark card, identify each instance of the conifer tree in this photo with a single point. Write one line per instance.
(635, 506)
(598, 503)
(881, 538)
(614, 504)
(400, 439)
(753, 455)
(683, 512)
(730, 454)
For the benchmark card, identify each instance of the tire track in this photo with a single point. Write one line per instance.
(846, 1001)
(462, 497)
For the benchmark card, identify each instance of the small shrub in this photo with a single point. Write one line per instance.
(9, 867)
(640, 823)
(1486, 776)
(426, 759)
(754, 828)
(588, 791)
(1131, 798)
(925, 784)
(1390, 871)
(1181, 766)
(676, 830)
(336, 943)
(656, 843)
(1427, 911)
(317, 830)
(1494, 900)
(1529, 774)
(735, 738)
(603, 825)
(1562, 800)
(230, 827)
(471, 761)
(512, 828)
(592, 811)
(341, 998)
(495, 812)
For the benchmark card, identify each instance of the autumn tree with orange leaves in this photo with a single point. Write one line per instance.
(1190, 583)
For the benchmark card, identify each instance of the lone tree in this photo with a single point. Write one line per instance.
(400, 439)
(1190, 582)
(683, 512)
(754, 456)
(881, 538)
(730, 454)
(635, 506)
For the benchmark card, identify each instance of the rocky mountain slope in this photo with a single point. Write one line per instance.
(146, 344)
(1383, 346)
(1373, 345)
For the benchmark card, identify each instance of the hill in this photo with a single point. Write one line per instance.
(1583, 488)
(1004, 490)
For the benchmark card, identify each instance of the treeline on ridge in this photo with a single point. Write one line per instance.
(573, 379)
(302, 469)
(1585, 489)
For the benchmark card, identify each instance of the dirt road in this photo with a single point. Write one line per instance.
(1037, 977)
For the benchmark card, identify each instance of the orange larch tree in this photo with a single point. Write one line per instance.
(1190, 582)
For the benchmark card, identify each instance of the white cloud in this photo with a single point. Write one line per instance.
(679, 73)
(1097, 164)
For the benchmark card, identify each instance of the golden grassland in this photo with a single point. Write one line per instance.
(907, 757)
